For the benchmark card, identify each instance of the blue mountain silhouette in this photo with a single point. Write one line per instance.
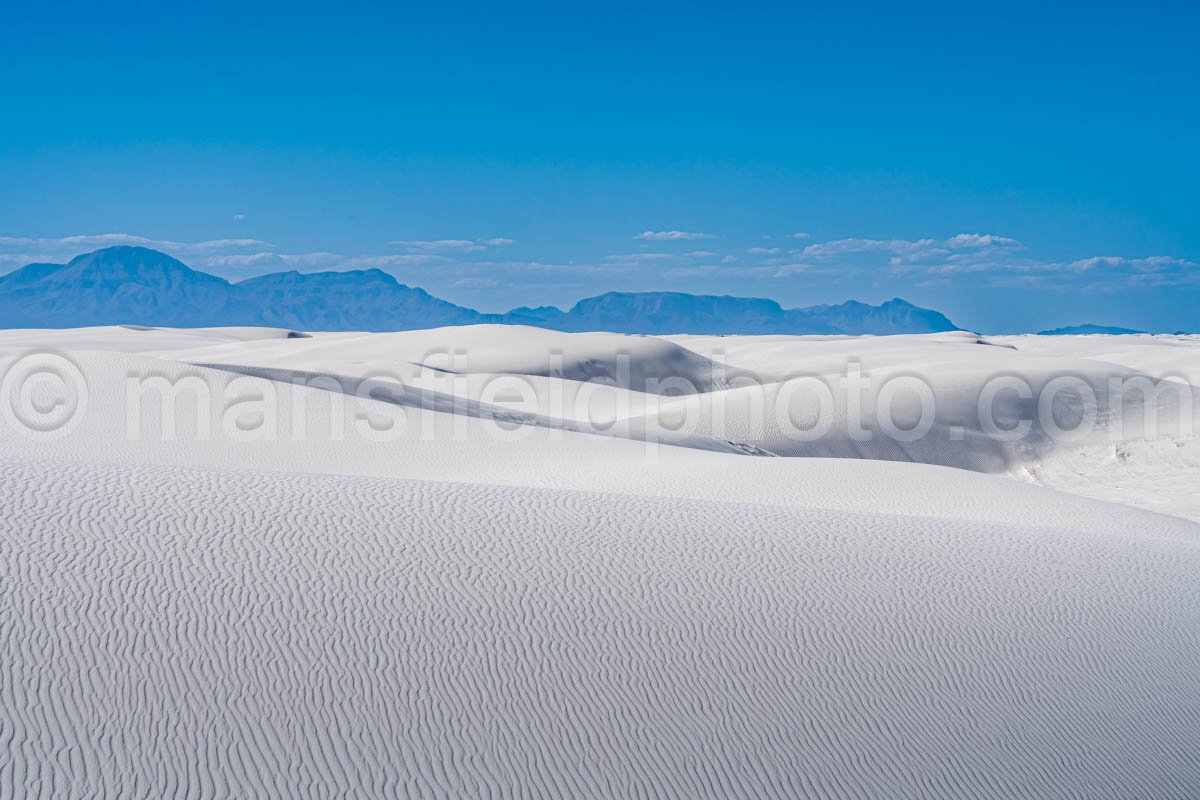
(136, 285)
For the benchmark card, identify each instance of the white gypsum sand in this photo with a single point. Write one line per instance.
(442, 610)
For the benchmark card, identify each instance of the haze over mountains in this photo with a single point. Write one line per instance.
(136, 285)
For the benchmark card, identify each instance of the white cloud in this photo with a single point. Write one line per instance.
(404, 260)
(903, 253)
(998, 261)
(239, 217)
(763, 251)
(843, 247)
(672, 236)
(217, 245)
(801, 235)
(694, 272)
(30, 249)
(638, 258)
(980, 240)
(461, 245)
(452, 245)
(250, 263)
(476, 283)
(1113, 272)
(114, 240)
(780, 270)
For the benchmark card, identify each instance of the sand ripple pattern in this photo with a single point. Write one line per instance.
(181, 632)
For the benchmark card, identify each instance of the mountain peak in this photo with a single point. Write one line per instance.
(29, 274)
(345, 276)
(125, 251)
(357, 299)
(120, 285)
(130, 257)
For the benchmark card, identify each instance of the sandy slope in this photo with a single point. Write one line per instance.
(207, 632)
(443, 613)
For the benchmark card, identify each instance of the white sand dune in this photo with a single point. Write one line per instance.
(753, 394)
(481, 349)
(1161, 356)
(444, 612)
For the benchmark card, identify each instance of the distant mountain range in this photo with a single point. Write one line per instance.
(136, 285)
(1084, 330)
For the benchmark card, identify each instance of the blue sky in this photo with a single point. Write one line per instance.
(1016, 166)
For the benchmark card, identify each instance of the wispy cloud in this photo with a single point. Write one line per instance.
(435, 245)
(998, 261)
(837, 248)
(672, 236)
(249, 264)
(16, 251)
(476, 283)
(98, 240)
(909, 251)
(642, 258)
(971, 260)
(962, 240)
(451, 245)
(1097, 273)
